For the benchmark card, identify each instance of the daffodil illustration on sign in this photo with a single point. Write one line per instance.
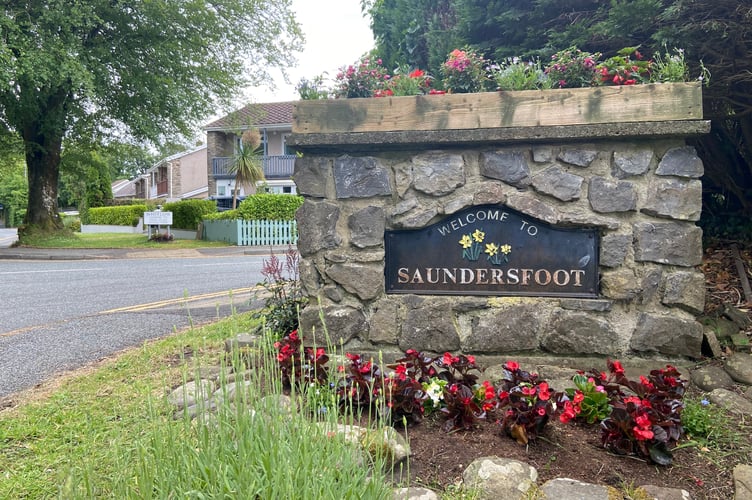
(472, 247)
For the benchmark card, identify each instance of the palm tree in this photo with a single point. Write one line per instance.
(246, 164)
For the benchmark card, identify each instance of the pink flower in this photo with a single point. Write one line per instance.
(543, 392)
(642, 434)
(617, 368)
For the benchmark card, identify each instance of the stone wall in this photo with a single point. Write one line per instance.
(642, 192)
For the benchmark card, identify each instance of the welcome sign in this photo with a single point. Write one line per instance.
(492, 250)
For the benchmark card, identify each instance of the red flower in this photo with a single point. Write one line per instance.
(646, 383)
(568, 413)
(320, 352)
(471, 359)
(617, 368)
(541, 411)
(503, 395)
(490, 391)
(543, 392)
(436, 92)
(643, 421)
(416, 73)
(401, 371)
(528, 391)
(633, 399)
(512, 366)
(578, 397)
(642, 434)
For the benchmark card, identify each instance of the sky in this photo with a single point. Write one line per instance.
(336, 34)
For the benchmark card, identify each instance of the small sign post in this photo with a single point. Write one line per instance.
(158, 218)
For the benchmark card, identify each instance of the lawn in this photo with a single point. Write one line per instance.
(114, 240)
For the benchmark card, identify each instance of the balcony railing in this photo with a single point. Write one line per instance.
(162, 187)
(275, 167)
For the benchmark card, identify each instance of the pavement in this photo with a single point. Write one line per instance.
(25, 253)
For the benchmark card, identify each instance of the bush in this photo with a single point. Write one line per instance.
(269, 206)
(187, 214)
(226, 215)
(116, 216)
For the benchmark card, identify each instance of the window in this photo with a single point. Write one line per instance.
(287, 149)
(221, 191)
(287, 189)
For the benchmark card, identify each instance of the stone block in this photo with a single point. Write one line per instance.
(685, 289)
(674, 199)
(668, 335)
(367, 227)
(607, 196)
(313, 176)
(620, 284)
(614, 248)
(681, 162)
(672, 243)
(630, 163)
(318, 227)
(559, 184)
(429, 325)
(360, 177)
(438, 173)
(341, 323)
(578, 157)
(508, 166)
(366, 281)
(509, 329)
(579, 333)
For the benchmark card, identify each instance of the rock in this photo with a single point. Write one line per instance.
(360, 177)
(674, 199)
(581, 333)
(559, 184)
(507, 166)
(686, 290)
(366, 281)
(631, 163)
(320, 222)
(681, 162)
(578, 157)
(709, 378)
(414, 493)
(671, 243)
(313, 175)
(498, 478)
(242, 341)
(277, 403)
(234, 377)
(710, 341)
(731, 401)
(740, 318)
(667, 335)
(193, 411)
(499, 330)
(614, 248)
(660, 493)
(367, 227)
(229, 392)
(429, 325)
(386, 442)
(739, 367)
(743, 482)
(563, 488)
(341, 322)
(190, 393)
(437, 173)
(607, 196)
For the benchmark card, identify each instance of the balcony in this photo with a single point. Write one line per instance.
(275, 167)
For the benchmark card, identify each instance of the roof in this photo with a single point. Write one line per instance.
(176, 156)
(123, 188)
(261, 114)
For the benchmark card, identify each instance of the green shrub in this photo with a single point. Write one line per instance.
(269, 206)
(116, 216)
(187, 214)
(226, 215)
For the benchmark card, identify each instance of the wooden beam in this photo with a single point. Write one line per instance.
(527, 108)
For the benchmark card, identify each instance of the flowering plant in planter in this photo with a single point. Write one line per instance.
(515, 74)
(406, 82)
(622, 69)
(464, 72)
(527, 403)
(367, 78)
(573, 68)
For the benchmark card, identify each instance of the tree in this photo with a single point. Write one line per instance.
(246, 164)
(93, 68)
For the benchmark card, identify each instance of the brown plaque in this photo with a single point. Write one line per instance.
(493, 250)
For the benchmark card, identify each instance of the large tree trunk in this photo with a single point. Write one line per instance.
(43, 140)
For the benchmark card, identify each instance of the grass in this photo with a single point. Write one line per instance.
(112, 240)
(109, 433)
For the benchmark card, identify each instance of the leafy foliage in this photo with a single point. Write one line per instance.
(269, 206)
(590, 402)
(127, 215)
(186, 214)
(301, 365)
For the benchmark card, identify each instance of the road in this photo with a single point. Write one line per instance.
(60, 315)
(7, 237)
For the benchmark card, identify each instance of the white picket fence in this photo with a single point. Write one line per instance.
(267, 232)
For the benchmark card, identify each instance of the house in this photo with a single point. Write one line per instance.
(177, 177)
(274, 121)
(124, 189)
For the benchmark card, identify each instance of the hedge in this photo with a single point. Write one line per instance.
(186, 214)
(116, 216)
(269, 206)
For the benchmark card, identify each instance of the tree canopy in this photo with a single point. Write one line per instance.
(148, 69)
